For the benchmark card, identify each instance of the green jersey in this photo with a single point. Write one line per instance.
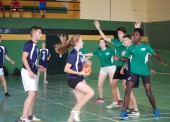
(119, 50)
(139, 58)
(105, 56)
(83, 51)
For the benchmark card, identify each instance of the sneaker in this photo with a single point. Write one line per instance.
(156, 113)
(45, 81)
(76, 115)
(120, 103)
(113, 105)
(7, 94)
(33, 118)
(129, 109)
(24, 119)
(134, 113)
(123, 115)
(99, 100)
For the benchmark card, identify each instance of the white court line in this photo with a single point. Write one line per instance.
(65, 105)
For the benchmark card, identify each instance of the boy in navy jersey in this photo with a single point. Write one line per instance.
(29, 74)
(43, 61)
(3, 54)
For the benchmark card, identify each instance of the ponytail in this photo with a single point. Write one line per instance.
(63, 47)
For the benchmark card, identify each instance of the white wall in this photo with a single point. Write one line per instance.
(126, 10)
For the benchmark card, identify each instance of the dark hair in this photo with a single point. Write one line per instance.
(123, 29)
(105, 42)
(62, 47)
(35, 28)
(139, 30)
(127, 36)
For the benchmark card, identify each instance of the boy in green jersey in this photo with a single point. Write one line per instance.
(119, 50)
(139, 68)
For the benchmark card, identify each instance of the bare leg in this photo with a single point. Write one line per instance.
(28, 103)
(101, 80)
(4, 84)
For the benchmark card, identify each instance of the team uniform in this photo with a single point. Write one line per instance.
(119, 50)
(30, 83)
(76, 61)
(42, 5)
(105, 57)
(15, 6)
(136, 85)
(1, 6)
(139, 62)
(3, 52)
(44, 54)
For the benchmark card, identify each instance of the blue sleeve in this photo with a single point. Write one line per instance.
(72, 59)
(27, 47)
(6, 52)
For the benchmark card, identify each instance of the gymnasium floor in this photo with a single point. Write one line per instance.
(56, 99)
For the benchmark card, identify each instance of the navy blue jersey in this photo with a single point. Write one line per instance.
(32, 58)
(3, 52)
(76, 61)
(44, 54)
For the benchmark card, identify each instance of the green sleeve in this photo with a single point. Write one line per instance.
(128, 53)
(95, 52)
(150, 50)
(116, 42)
(112, 51)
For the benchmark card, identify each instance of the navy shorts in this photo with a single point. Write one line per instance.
(42, 6)
(136, 85)
(72, 82)
(135, 78)
(43, 63)
(117, 74)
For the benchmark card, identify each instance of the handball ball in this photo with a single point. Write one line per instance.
(87, 68)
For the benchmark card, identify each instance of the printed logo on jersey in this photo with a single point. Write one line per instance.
(107, 53)
(143, 49)
(123, 53)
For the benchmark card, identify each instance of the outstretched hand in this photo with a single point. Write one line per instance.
(97, 24)
(116, 57)
(137, 24)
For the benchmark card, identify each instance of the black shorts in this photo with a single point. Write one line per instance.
(134, 78)
(117, 74)
(136, 85)
(72, 82)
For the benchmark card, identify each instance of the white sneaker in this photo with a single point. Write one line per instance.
(33, 118)
(24, 119)
(76, 115)
(113, 105)
(45, 81)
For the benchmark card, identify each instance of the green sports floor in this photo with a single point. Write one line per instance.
(55, 100)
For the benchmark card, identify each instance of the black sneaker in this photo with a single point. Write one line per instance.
(7, 94)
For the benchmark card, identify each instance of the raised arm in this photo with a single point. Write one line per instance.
(137, 24)
(160, 59)
(97, 25)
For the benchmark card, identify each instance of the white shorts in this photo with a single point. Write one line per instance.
(30, 84)
(107, 70)
(1, 72)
